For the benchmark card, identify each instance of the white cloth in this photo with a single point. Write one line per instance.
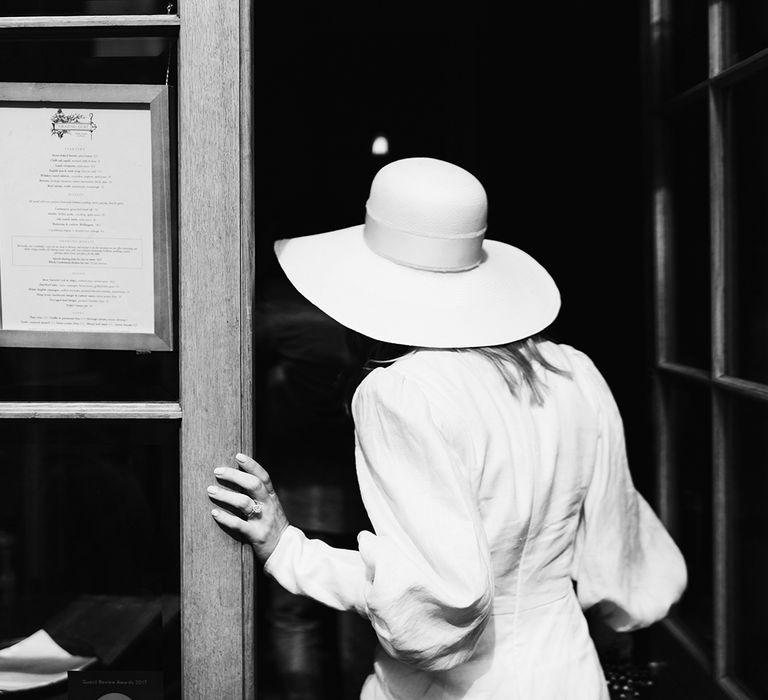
(486, 509)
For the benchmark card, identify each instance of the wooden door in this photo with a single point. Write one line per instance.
(88, 434)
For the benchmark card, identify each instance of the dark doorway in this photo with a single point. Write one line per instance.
(547, 114)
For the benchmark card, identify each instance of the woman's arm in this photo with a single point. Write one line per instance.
(625, 561)
(424, 578)
(304, 566)
(429, 583)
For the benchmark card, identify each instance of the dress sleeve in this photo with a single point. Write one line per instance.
(625, 561)
(424, 579)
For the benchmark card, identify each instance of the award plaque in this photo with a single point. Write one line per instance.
(85, 216)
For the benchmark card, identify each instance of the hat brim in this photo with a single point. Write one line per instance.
(509, 296)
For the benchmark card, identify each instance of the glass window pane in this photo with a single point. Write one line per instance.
(125, 60)
(689, 168)
(305, 437)
(748, 284)
(12, 8)
(750, 18)
(690, 50)
(36, 374)
(31, 374)
(323, 119)
(688, 406)
(304, 365)
(749, 551)
(749, 538)
(89, 540)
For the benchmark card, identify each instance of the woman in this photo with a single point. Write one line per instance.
(491, 463)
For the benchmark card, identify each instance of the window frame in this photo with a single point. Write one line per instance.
(723, 73)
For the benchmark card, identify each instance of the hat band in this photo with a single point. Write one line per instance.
(422, 251)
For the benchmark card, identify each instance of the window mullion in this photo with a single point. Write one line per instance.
(718, 226)
(661, 211)
(90, 409)
(167, 23)
(718, 61)
(720, 530)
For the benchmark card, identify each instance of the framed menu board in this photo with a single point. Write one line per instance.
(85, 217)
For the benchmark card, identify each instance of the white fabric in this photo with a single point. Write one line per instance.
(486, 508)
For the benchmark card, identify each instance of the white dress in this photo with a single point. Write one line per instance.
(486, 509)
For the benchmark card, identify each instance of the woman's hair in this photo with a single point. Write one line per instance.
(516, 362)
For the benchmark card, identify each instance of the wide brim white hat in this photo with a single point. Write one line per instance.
(419, 271)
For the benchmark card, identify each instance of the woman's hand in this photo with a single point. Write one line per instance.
(257, 516)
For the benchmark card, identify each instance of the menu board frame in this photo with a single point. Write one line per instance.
(70, 106)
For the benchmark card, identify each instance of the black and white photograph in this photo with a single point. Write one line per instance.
(383, 351)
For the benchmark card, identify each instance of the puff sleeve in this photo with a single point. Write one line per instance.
(625, 561)
(424, 578)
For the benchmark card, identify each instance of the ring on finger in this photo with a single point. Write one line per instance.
(254, 510)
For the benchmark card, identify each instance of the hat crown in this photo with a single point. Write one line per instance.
(428, 196)
(428, 214)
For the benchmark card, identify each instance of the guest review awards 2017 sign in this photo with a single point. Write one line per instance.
(83, 223)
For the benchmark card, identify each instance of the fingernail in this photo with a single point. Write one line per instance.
(240, 457)
(213, 489)
(218, 471)
(214, 512)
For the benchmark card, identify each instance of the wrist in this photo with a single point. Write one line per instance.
(264, 550)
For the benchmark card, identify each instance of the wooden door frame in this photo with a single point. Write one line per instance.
(216, 245)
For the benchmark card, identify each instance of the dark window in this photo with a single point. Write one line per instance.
(751, 27)
(89, 538)
(690, 310)
(690, 55)
(691, 430)
(749, 454)
(749, 282)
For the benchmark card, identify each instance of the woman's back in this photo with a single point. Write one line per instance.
(528, 468)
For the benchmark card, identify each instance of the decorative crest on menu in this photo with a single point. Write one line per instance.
(62, 123)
